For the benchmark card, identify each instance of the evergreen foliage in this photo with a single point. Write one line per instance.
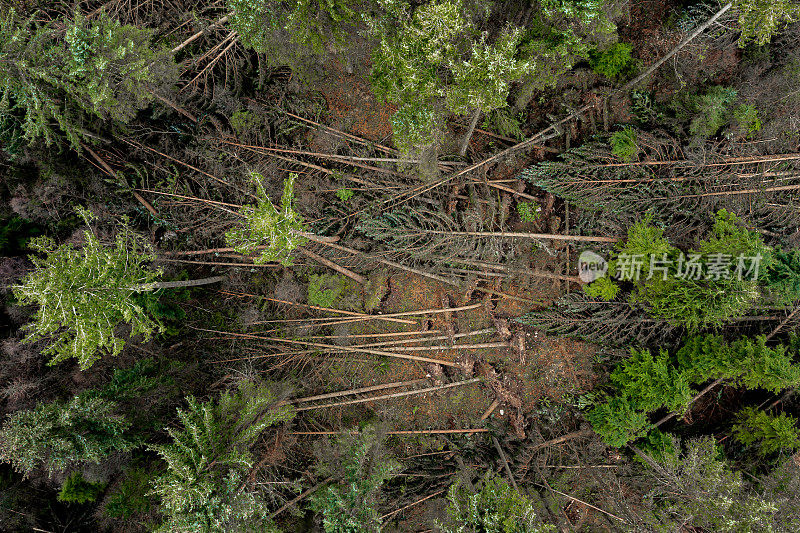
(415, 46)
(130, 383)
(602, 289)
(771, 433)
(130, 497)
(623, 144)
(711, 110)
(746, 116)
(699, 299)
(204, 488)
(84, 293)
(282, 230)
(72, 71)
(324, 289)
(693, 487)
(759, 20)
(311, 24)
(782, 278)
(529, 211)
(60, 434)
(615, 323)
(76, 489)
(676, 185)
(645, 383)
(613, 62)
(495, 507)
(349, 505)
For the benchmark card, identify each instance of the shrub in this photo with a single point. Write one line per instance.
(76, 489)
(602, 289)
(772, 433)
(746, 117)
(344, 194)
(324, 289)
(613, 62)
(529, 211)
(623, 144)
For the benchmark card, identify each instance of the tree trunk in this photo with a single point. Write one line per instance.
(187, 282)
(470, 130)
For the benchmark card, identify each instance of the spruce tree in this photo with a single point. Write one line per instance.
(418, 46)
(205, 487)
(83, 293)
(360, 466)
(759, 20)
(694, 488)
(61, 434)
(645, 383)
(494, 507)
(283, 230)
(71, 75)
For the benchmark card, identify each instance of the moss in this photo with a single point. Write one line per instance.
(77, 490)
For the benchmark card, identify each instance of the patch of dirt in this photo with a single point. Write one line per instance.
(353, 106)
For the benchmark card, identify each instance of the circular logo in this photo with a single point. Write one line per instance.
(591, 266)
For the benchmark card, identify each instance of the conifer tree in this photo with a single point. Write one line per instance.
(312, 25)
(416, 46)
(694, 488)
(360, 466)
(495, 507)
(205, 488)
(282, 229)
(61, 434)
(759, 20)
(645, 383)
(70, 75)
(83, 293)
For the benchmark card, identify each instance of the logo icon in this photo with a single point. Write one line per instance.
(591, 266)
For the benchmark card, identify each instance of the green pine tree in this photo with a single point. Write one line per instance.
(60, 434)
(282, 230)
(205, 487)
(73, 74)
(495, 507)
(83, 293)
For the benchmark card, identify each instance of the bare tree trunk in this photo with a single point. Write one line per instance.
(187, 282)
(470, 130)
(188, 41)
